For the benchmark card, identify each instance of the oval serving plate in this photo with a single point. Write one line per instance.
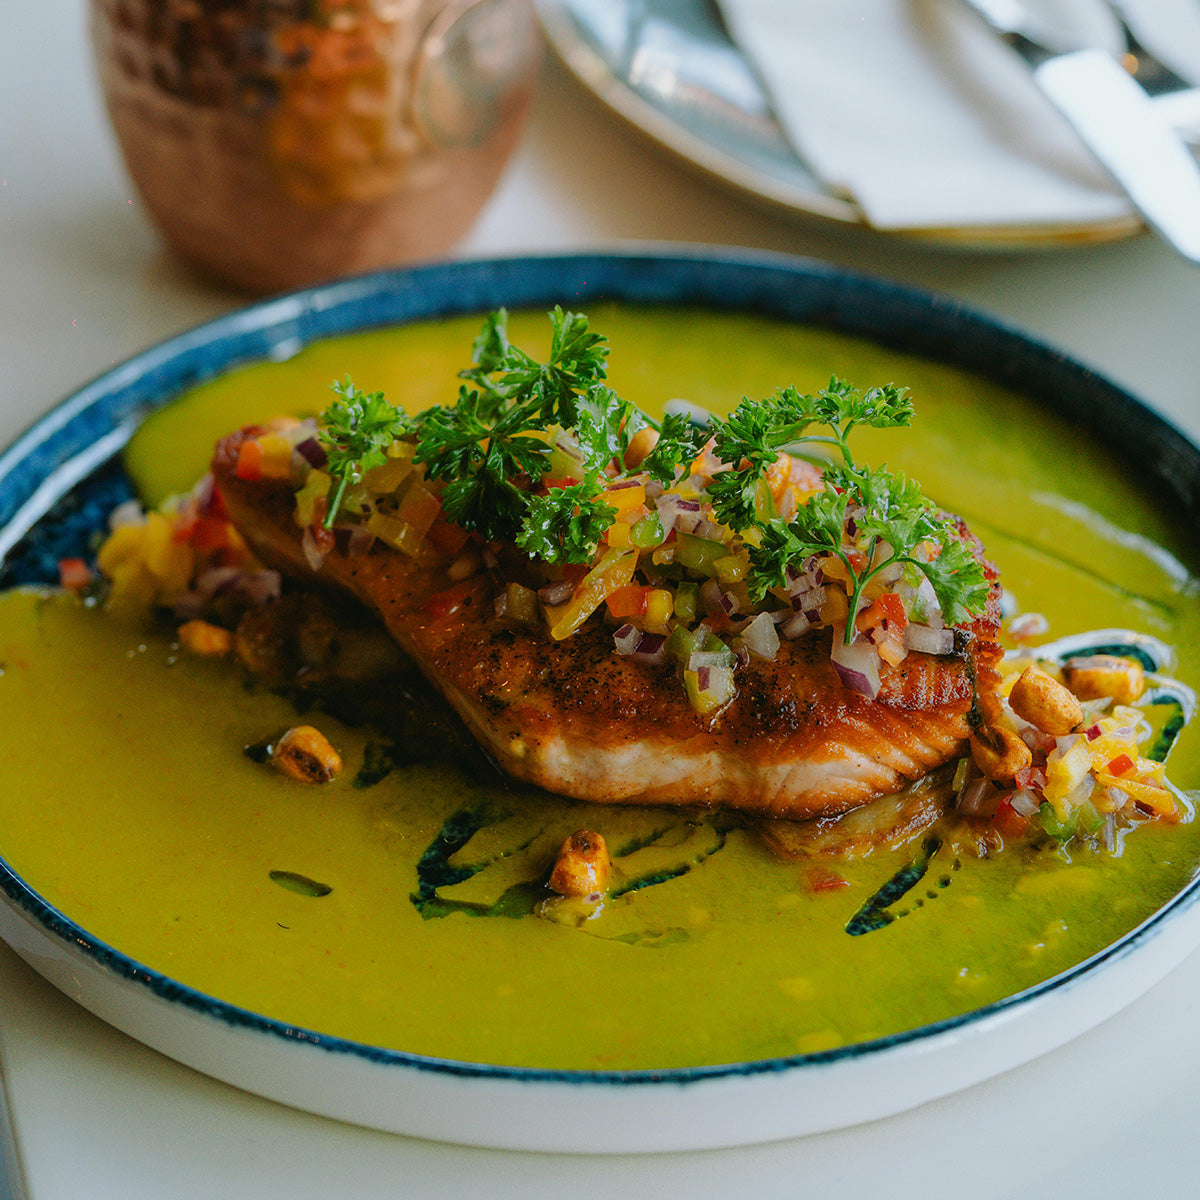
(577, 1110)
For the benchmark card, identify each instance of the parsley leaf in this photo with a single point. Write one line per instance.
(679, 441)
(566, 525)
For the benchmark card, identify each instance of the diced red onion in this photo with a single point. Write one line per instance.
(676, 512)
(568, 445)
(761, 638)
(556, 593)
(312, 452)
(707, 529)
(639, 646)
(976, 797)
(626, 638)
(703, 659)
(927, 640)
(353, 540)
(1093, 732)
(1025, 801)
(795, 626)
(857, 666)
(622, 484)
(810, 601)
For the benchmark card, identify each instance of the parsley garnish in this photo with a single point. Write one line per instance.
(491, 452)
(495, 444)
(356, 432)
(890, 512)
(757, 430)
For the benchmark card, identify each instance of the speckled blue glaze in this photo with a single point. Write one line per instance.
(69, 453)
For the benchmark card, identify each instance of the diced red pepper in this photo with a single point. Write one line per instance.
(888, 607)
(74, 573)
(249, 463)
(446, 537)
(1120, 765)
(628, 601)
(1008, 821)
(446, 603)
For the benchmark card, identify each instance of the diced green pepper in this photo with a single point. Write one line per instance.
(699, 554)
(687, 601)
(647, 533)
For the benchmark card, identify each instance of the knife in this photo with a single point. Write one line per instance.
(1117, 120)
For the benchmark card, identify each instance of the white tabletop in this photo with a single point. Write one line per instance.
(87, 283)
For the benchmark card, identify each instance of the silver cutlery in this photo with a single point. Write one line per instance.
(1114, 114)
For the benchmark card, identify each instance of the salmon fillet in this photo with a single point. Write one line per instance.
(575, 718)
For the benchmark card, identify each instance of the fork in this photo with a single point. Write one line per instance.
(1176, 97)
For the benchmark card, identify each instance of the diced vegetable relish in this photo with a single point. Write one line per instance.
(665, 563)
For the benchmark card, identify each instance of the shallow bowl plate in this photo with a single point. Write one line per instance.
(572, 1110)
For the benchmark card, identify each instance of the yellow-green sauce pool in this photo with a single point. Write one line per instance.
(126, 799)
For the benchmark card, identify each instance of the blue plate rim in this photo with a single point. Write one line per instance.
(909, 319)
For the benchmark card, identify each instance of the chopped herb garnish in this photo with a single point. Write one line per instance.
(356, 432)
(493, 452)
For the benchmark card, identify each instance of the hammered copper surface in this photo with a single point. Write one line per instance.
(278, 143)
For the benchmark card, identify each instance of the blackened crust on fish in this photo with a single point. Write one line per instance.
(578, 719)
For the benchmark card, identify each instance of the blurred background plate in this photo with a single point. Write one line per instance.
(670, 69)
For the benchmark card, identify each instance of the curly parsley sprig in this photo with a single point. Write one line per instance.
(492, 453)
(356, 432)
(890, 514)
(493, 448)
(755, 433)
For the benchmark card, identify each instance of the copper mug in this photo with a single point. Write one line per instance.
(278, 143)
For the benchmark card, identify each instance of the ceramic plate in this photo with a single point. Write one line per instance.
(669, 68)
(69, 454)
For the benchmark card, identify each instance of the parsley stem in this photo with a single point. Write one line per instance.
(335, 501)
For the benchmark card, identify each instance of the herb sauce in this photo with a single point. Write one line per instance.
(395, 905)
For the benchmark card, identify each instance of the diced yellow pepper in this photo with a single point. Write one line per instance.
(276, 456)
(121, 546)
(1065, 773)
(719, 691)
(1152, 795)
(167, 559)
(625, 499)
(836, 607)
(315, 487)
(614, 570)
(618, 536)
(733, 567)
(659, 605)
(388, 476)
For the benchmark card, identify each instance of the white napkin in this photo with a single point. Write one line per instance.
(917, 112)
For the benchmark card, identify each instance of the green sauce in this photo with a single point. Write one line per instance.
(394, 906)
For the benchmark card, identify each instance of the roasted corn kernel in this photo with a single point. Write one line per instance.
(203, 637)
(1101, 675)
(304, 753)
(583, 865)
(999, 753)
(1044, 702)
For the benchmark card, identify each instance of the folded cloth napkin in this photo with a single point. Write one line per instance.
(921, 115)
